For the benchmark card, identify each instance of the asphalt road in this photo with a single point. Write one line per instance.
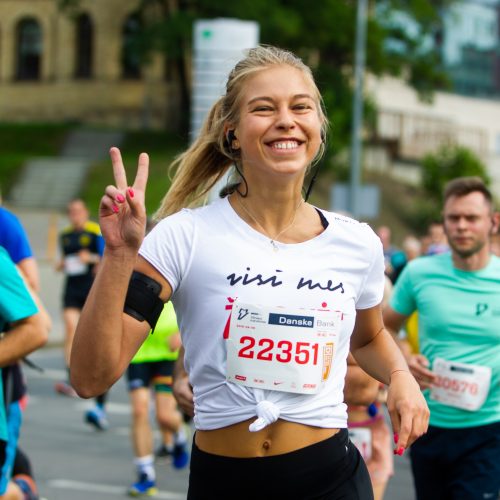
(71, 460)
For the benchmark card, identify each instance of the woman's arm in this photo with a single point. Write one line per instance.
(418, 363)
(377, 353)
(106, 338)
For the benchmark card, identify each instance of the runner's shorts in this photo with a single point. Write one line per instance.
(329, 470)
(151, 373)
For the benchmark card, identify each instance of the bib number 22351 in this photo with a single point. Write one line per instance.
(281, 349)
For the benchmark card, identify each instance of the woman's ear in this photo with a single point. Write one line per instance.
(231, 143)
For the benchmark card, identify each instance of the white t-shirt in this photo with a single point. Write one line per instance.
(210, 256)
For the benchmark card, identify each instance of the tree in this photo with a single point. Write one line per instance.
(322, 32)
(448, 163)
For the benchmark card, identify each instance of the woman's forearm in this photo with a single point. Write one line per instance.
(100, 348)
(381, 357)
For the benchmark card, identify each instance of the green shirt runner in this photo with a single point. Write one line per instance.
(459, 321)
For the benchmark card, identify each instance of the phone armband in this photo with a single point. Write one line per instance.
(143, 299)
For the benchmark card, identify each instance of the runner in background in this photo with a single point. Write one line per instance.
(436, 241)
(149, 376)
(457, 296)
(14, 239)
(81, 246)
(24, 327)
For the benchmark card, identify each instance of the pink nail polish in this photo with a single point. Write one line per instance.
(131, 192)
(396, 438)
(400, 451)
(120, 198)
(115, 209)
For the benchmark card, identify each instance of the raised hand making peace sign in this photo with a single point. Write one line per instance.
(122, 212)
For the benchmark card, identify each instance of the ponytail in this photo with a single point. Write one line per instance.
(198, 169)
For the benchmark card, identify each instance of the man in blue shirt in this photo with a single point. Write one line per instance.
(14, 239)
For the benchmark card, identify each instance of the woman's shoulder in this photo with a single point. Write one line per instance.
(348, 224)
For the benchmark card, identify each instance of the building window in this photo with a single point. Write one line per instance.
(84, 46)
(131, 67)
(29, 50)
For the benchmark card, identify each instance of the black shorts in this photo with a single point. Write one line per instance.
(329, 470)
(450, 464)
(157, 374)
(76, 291)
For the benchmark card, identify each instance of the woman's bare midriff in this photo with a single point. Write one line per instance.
(278, 438)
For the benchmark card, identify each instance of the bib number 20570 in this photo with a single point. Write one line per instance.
(460, 385)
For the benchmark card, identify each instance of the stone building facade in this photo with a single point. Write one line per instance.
(55, 67)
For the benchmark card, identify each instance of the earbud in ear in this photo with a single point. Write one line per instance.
(231, 143)
(230, 137)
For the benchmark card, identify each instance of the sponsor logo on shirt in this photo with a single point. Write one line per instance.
(291, 320)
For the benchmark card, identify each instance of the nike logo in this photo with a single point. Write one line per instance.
(278, 383)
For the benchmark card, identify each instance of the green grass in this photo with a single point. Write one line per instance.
(162, 149)
(20, 142)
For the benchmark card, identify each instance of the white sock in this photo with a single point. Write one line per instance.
(146, 465)
(180, 437)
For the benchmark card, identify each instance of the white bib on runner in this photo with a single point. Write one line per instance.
(74, 266)
(460, 385)
(281, 349)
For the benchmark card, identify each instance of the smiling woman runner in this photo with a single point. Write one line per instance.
(269, 292)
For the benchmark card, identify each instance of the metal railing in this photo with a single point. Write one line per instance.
(413, 136)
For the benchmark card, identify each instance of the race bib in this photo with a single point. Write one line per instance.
(281, 349)
(361, 437)
(73, 265)
(460, 385)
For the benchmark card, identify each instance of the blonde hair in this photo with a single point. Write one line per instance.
(208, 158)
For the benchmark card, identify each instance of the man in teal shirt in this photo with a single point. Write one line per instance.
(457, 296)
(23, 328)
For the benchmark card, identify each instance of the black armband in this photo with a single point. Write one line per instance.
(143, 299)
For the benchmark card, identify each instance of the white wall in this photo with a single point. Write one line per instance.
(483, 115)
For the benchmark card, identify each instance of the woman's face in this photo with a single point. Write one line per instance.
(279, 131)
